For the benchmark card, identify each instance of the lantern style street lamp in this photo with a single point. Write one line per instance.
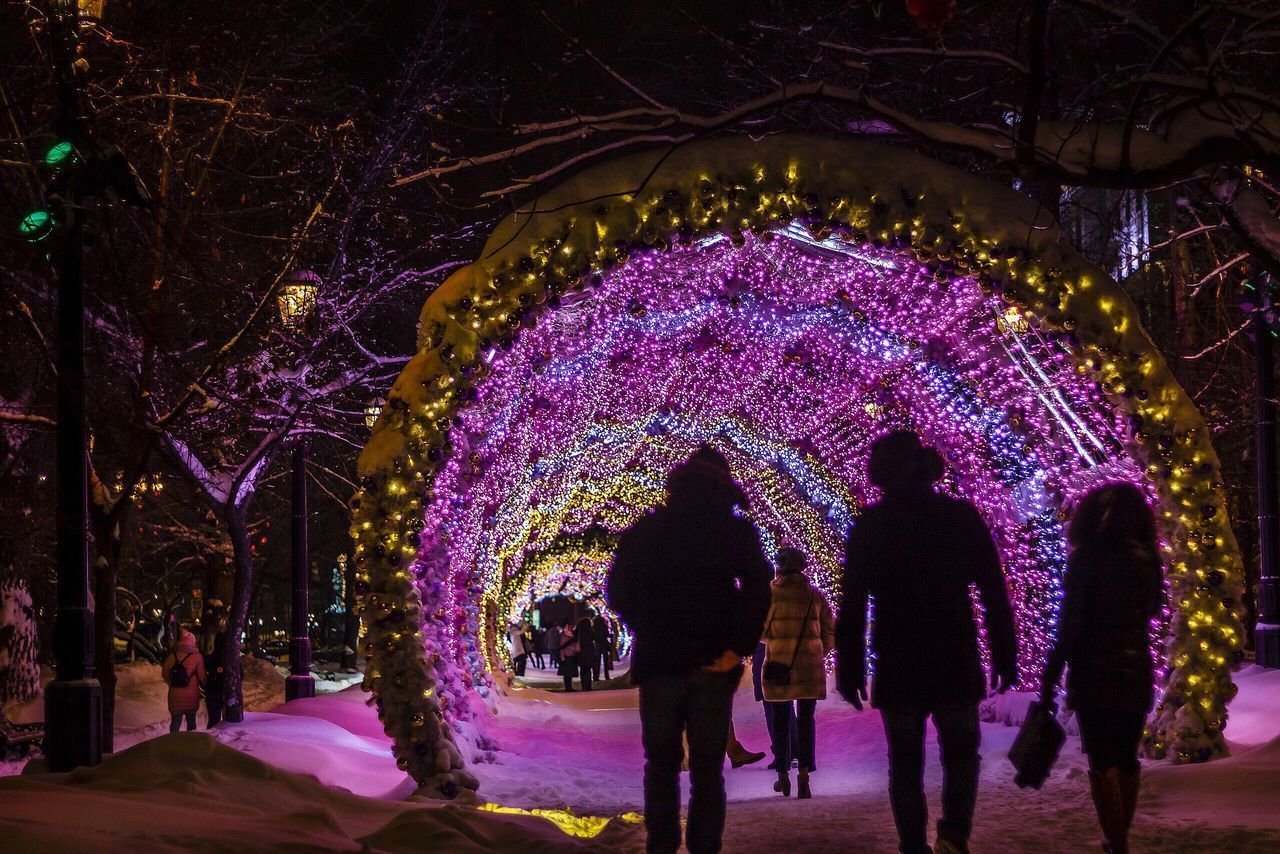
(372, 411)
(297, 302)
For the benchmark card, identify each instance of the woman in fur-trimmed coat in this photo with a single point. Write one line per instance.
(799, 633)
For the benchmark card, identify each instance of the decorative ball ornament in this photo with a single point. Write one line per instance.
(873, 315)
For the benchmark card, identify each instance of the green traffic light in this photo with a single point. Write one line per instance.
(59, 155)
(36, 226)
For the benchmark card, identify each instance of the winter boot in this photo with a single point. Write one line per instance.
(1107, 800)
(802, 785)
(783, 784)
(739, 755)
(1129, 794)
(746, 757)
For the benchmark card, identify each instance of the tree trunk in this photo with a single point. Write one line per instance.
(237, 618)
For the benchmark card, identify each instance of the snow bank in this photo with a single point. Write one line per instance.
(188, 791)
(1010, 709)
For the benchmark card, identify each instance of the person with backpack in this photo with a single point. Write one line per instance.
(183, 671)
(799, 633)
(915, 554)
(692, 583)
(1112, 590)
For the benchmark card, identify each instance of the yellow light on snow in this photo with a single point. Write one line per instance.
(583, 826)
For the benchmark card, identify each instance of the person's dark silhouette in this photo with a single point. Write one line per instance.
(604, 647)
(692, 582)
(915, 554)
(585, 633)
(1112, 590)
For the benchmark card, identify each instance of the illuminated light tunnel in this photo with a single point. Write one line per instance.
(787, 301)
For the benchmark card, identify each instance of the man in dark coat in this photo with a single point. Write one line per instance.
(692, 582)
(585, 633)
(215, 662)
(604, 647)
(915, 554)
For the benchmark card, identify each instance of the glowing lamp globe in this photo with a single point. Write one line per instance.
(297, 300)
(37, 225)
(372, 411)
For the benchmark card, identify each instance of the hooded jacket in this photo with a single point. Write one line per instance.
(185, 698)
(691, 581)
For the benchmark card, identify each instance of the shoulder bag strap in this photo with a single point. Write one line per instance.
(804, 624)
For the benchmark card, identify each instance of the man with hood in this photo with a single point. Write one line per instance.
(915, 554)
(692, 582)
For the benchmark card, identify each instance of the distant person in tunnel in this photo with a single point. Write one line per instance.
(569, 648)
(915, 554)
(604, 647)
(1112, 590)
(587, 656)
(798, 634)
(553, 644)
(692, 583)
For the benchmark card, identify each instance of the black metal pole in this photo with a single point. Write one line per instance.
(1266, 636)
(73, 701)
(300, 683)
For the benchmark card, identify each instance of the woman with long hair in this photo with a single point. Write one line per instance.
(1112, 590)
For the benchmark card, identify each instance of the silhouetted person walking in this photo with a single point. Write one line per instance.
(691, 581)
(604, 647)
(798, 633)
(569, 647)
(587, 656)
(1112, 590)
(915, 553)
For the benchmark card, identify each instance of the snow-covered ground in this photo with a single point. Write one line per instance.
(583, 749)
(282, 787)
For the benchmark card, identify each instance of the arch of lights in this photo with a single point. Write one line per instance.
(787, 301)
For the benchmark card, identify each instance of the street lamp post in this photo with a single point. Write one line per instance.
(300, 683)
(298, 303)
(73, 701)
(1266, 637)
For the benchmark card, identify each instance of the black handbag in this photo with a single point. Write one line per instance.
(777, 673)
(1036, 748)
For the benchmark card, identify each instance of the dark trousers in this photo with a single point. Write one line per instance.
(568, 669)
(791, 732)
(958, 737)
(768, 722)
(584, 673)
(1110, 738)
(700, 704)
(213, 702)
(175, 723)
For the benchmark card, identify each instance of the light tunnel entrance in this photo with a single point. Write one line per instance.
(788, 312)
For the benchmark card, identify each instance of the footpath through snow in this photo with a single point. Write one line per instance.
(317, 775)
